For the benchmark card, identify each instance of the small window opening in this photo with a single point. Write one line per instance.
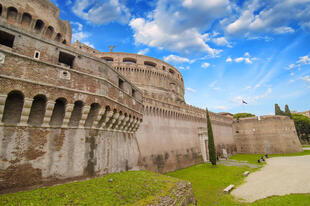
(26, 20)
(39, 25)
(108, 59)
(64, 42)
(6, 39)
(12, 14)
(37, 111)
(49, 32)
(164, 68)
(37, 55)
(66, 59)
(129, 60)
(171, 71)
(0, 10)
(133, 92)
(58, 37)
(121, 83)
(151, 64)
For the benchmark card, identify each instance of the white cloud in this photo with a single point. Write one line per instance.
(177, 59)
(304, 60)
(179, 26)
(89, 44)
(102, 11)
(272, 16)
(144, 51)
(79, 35)
(181, 68)
(205, 65)
(68, 2)
(291, 66)
(221, 41)
(284, 30)
(229, 59)
(247, 54)
(191, 90)
(292, 73)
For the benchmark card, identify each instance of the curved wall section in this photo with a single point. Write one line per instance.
(154, 77)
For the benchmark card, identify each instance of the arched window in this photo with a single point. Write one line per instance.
(64, 42)
(171, 71)
(76, 114)
(130, 60)
(37, 111)
(12, 14)
(58, 112)
(26, 20)
(13, 107)
(151, 64)
(49, 32)
(39, 25)
(108, 59)
(92, 115)
(58, 37)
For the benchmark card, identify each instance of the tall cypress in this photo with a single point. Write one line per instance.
(277, 110)
(288, 112)
(211, 146)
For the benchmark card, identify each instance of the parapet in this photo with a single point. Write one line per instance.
(40, 17)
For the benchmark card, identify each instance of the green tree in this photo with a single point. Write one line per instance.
(302, 124)
(243, 115)
(288, 112)
(277, 110)
(211, 146)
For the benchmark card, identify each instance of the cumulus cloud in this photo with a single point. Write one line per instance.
(221, 41)
(102, 11)
(191, 90)
(229, 59)
(246, 58)
(304, 60)
(306, 79)
(177, 59)
(144, 51)
(181, 68)
(79, 34)
(179, 26)
(271, 16)
(205, 65)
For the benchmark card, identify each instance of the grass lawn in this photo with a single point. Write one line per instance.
(127, 188)
(252, 158)
(208, 184)
(306, 146)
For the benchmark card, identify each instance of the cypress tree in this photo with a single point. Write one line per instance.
(288, 112)
(211, 146)
(277, 110)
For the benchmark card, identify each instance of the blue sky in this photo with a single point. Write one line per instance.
(227, 51)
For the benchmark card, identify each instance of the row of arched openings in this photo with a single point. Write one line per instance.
(15, 101)
(26, 20)
(148, 110)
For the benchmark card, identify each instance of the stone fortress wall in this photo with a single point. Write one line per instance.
(267, 135)
(173, 134)
(69, 111)
(64, 113)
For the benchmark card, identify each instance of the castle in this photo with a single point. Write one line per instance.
(69, 111)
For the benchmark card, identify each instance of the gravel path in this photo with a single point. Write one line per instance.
(280, 176)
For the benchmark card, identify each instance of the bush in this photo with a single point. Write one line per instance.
(302, 124)
(243, 115)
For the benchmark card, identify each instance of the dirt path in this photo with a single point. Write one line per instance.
(280, 176)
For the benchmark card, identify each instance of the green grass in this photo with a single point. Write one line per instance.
(208, 184)
(305, 146)
(127, 188)
(252, 158)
